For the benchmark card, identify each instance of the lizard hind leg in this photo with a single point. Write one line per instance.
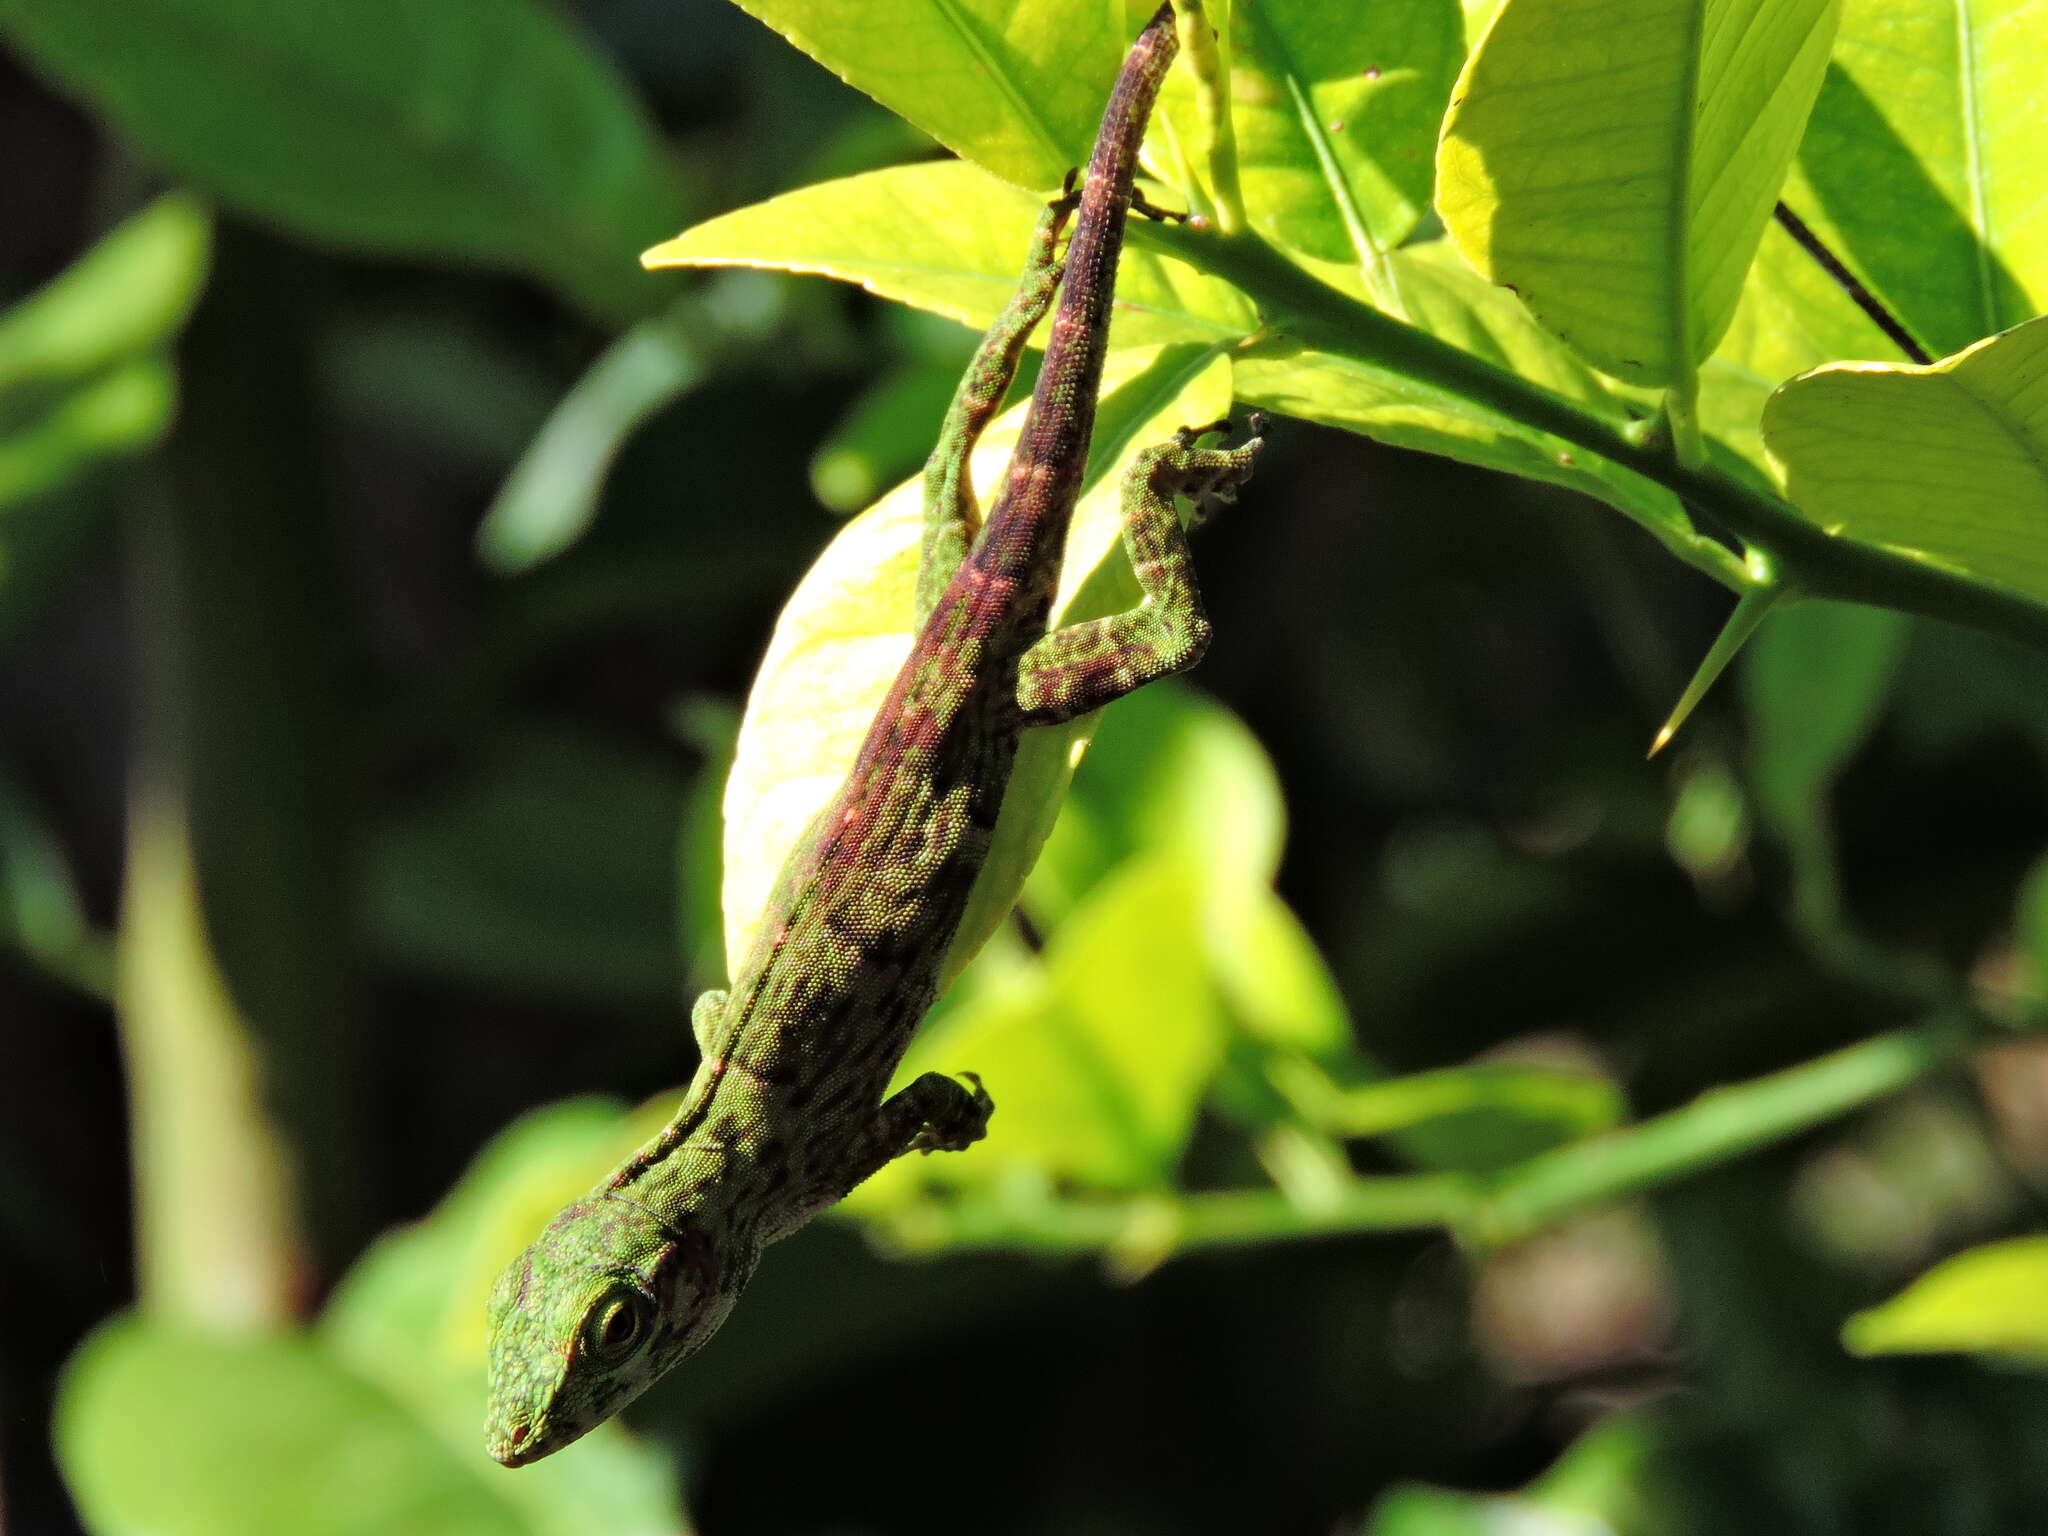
(951, 517)
(1085, 666)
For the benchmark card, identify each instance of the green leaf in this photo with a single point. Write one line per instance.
(1617, 165)
(129, 294)
(1946, 463)
(468, 131)
(1792, 317)
(1814, 685)
(41, 912)
(550, 498)
(1099, 1054)
(174, 1431)
(1486, 1115)
(549, 869)
(52, 440)
(1169, 771)
(1922, 168)
(887, 431)
(82, 380)
(410, 1318)
(1989, 1300)
(168, 1430)
(1446, 298)
(1336, 110)
(1603, 1485)
(1018, 89)
(846, 629)
(950, 238)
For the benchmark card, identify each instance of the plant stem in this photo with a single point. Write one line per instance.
(1486, 1210)
(1301, 308)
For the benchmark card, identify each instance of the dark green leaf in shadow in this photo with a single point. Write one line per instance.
(469, 130)
(1814, 684)
(550, 498)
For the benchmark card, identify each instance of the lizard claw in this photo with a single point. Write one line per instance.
(1145, 207)
(959, 1124)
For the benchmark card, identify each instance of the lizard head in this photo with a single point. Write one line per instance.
(604, 1301)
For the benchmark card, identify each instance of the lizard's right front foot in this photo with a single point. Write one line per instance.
(957, 1117)
(1210, 474)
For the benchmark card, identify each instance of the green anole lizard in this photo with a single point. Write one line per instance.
(787, 1111)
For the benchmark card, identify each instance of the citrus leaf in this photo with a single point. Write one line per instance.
(1616, 164)
(1987, 1300)
(1336, 112)
(469, 130)
(1792, 317)
(950, 238)
(1098, 1053)
(1947, 463)
(549, 500)
(846, 629)
(181, 1431)
(1922, 168)
(1017, 88)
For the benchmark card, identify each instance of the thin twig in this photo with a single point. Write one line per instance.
(1864, 299)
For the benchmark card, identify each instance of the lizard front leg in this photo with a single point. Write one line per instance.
(951, 517)
(1085, 666)
(936, 1113)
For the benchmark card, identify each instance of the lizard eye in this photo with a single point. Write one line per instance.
(617, 1324)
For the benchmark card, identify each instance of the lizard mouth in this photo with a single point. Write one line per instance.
(515, 1447)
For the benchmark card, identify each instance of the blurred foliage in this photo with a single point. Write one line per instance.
(1466, 1125)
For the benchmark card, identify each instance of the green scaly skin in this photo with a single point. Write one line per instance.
(790, 1108)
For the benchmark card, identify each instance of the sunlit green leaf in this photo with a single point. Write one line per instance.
(469, 130)
(1336, 111)
(1922, 168)
(950, 238)
(1616, 165)
(373, 1423)
(847, 628)
(1097, 1057)
(1946, 463)
(1445, 297)
(1168, 771)
(1989, 1300)
(1602, 1486)
(1019, 89)
(1550, 1105)
(1792, 317)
